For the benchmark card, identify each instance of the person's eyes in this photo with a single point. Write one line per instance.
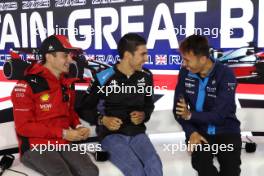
(65, 55)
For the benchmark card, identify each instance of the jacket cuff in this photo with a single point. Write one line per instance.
(78, 126)
(58, 132)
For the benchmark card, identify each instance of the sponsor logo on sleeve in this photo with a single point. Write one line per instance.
(231, 86)
(45, 97)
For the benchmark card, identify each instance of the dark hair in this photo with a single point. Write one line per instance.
(129, 42)
(197, 44)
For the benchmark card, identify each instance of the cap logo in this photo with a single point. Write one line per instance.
(51, 48)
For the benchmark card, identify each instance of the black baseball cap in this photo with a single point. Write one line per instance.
(56, 43)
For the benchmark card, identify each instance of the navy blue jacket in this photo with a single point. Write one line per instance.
(210, 99)
(97, 102)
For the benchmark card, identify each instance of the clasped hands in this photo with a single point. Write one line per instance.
(114, 123)
(77, 134)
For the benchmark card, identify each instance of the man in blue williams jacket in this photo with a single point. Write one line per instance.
(204, 105)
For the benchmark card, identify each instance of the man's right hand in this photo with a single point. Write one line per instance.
(112, 123)
(196, 138)
(73, 135)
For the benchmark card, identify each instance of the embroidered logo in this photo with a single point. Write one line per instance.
(45, 97)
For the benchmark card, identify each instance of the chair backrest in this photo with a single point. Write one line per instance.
(252, 119)
(7, 136)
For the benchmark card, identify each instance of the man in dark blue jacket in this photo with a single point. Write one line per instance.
(204, 105)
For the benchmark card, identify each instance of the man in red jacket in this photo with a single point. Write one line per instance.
(43, 108)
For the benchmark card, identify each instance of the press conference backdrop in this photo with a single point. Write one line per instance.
(97, 25)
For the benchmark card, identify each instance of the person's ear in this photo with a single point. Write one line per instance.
(127, 54)
(203, 59)
(48, 57)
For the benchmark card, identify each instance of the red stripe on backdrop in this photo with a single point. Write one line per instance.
(165, 80)
(4, 99)
(170, 82)
(251, 88)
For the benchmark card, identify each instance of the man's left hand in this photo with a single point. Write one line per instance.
(85, 132)
(137, 117)
(182, 110)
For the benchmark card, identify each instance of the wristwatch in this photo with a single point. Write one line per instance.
(189, 116)
(100, 119)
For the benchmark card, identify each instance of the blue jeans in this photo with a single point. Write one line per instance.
(133, 155)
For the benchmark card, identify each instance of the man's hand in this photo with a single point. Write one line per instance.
(112, 123)
(182, 110)
(137, 117)
(85, 132)
(73, 135)
(196, 138)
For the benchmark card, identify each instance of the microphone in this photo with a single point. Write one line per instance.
(100, 155)
(250, 146)
(6, 162)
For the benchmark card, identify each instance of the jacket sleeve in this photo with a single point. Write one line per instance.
(225, 102)
(187, 126)
(75, 120)
(148, 99)
(87, 107)
(24, 116)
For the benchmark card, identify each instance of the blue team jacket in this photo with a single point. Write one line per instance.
(211, 101)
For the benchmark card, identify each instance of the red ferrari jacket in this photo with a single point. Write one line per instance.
(42, 107)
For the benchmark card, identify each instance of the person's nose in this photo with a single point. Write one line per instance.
(184, 64)
(146, 58)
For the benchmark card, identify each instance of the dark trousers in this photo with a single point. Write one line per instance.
(60, 163)
(229, 161)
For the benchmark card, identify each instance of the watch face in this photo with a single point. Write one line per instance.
(100, 120)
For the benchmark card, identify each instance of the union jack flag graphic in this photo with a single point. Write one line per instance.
(31, 57)
(90, 57)
(161, 59)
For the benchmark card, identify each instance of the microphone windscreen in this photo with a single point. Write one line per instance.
(101, 155)
(7, 161)
(251, 147)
